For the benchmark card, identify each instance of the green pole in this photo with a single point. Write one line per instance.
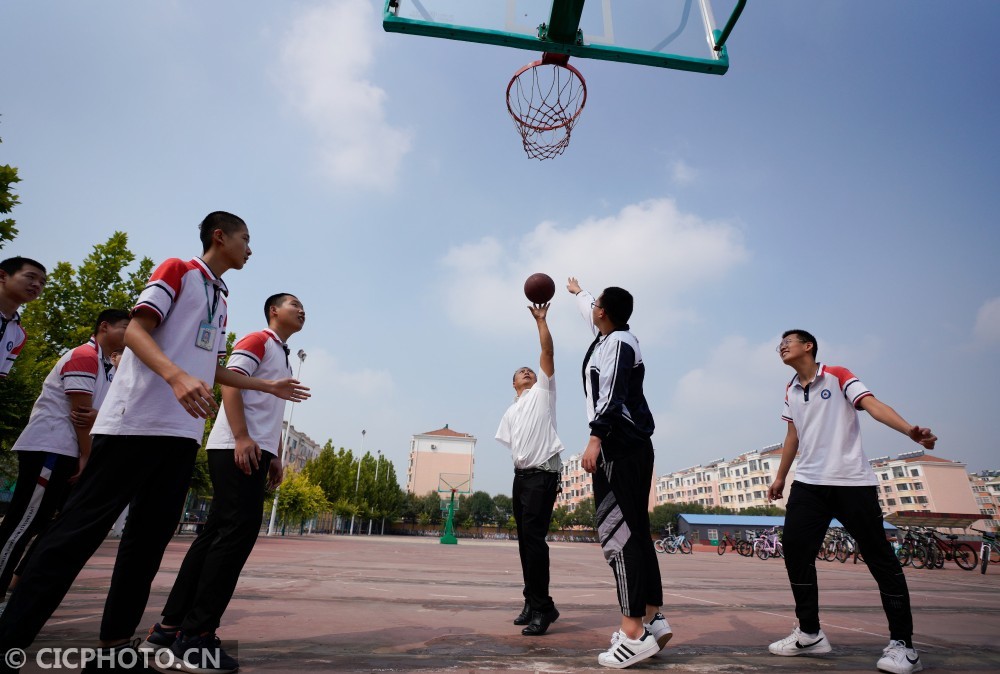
(449, 537)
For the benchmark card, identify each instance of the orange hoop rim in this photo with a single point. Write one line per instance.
(536, 64)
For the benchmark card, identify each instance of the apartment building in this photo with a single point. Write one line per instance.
(922, 481)
(986, 490)
(434, 454)
(738, 483)
(577, 485)
(299, 447)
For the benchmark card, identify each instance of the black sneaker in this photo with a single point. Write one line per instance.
(157, 640)
(202, 654)
(122, 658)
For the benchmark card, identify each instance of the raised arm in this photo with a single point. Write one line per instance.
(884, 414)
(286, 389)
(546, 361)
(584, 302)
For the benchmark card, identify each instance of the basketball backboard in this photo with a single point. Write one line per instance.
(679, 34)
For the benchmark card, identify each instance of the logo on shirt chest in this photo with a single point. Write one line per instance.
(9, 346)
(825, 394)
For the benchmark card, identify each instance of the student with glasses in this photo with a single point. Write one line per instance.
(833, 479)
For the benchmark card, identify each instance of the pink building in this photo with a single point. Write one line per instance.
(437, 453)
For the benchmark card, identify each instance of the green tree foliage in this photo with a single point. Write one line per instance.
(63, 318)
(299, 499)
(585, 515)
(8, 200)
(371, 492)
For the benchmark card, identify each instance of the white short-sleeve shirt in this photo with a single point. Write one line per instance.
(80, 370)
(140, 402)
(826, 419)
(263, 355)
(528, 427)
(12, 339)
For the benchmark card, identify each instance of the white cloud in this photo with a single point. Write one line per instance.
(729, 405)
(651, 248)
(682, 173)
(340, 395)
(325, 58)
(987, 329)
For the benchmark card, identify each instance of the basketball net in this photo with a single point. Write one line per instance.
(545, 99)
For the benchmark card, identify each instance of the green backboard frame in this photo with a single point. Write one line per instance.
(627, 31)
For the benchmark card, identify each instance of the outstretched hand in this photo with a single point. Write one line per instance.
(289, 389)
(776, 491)
(573, 285)
(539, 311)
(922, 436)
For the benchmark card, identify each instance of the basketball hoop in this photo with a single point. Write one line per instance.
(545, 99)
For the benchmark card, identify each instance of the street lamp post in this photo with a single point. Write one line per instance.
(357, 480)
(377, 462)
(288, 440)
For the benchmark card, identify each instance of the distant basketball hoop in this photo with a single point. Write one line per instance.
(545, 99)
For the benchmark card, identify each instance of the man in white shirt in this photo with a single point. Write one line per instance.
(528, 429)
(834, 479)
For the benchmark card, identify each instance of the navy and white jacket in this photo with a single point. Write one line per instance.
(613, 374)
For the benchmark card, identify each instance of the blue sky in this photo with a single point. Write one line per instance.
(840, 178)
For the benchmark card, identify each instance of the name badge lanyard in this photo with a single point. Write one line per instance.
(207, 330)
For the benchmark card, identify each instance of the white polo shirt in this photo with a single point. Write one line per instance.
(81, 370)
(528, 427)
(259, 354)
(140, 402)
(826, 419)
(12, 339)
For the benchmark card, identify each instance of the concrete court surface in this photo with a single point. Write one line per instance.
(409, 604)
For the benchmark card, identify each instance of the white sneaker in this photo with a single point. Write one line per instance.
(899, 659)
(660, 629)
(800, 643)
(625, 652)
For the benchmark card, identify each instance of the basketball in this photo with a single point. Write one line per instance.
(539, 288)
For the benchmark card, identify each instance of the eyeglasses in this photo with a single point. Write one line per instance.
(786, 342)
(595, 305)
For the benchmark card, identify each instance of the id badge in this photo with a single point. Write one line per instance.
(206, 336)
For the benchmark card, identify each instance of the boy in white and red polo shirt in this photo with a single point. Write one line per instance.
(834, 480)
(21, 281)
(146, 436)
(244, 458)
(51, 449)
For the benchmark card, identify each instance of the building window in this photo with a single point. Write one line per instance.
(713, 534)
(902, 486)
(887, 488)
(884, 477)
(918, 485)
(898, 472)
(922, 500)
(906, 500)
(890, 501)
(915, 472)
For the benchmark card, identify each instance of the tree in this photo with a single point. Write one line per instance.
(503, 508)
(480, 508)
(585, 515)
(63, 318)
(299, 499)
(8, 200)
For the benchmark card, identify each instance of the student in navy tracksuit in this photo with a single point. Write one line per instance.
(619, 455)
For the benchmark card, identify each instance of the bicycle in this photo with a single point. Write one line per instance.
(768, 545)
(742, 547)
(989, 553)
(680, 543)
(963, 554)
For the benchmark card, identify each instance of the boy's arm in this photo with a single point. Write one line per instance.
(286, 389)
(247, 451)
(791, 447)
(884, 414)
(584, 302)
(276, 469)
(81, 404)
(194, 395)
(546, 361)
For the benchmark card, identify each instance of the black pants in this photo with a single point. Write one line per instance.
(809, 511)
(621, 494)
(534, 496)
(211, 568)
(151, 472)
(42, 485)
